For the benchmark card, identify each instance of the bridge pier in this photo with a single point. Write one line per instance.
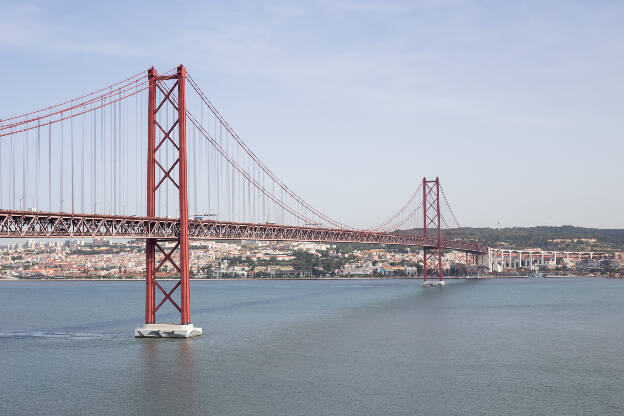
(167, 331)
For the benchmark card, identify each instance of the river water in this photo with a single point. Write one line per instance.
(358, 347)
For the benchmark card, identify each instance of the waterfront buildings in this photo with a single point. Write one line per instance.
(217, 259)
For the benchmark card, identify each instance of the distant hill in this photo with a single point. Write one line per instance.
(565, 238)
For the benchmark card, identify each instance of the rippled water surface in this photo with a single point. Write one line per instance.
(361, 347)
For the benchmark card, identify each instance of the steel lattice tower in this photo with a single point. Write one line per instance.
(431, 219)
(153, 245)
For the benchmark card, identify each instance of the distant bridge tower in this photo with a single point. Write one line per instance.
(432, 256)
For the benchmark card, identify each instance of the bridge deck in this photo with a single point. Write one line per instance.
(26, 224)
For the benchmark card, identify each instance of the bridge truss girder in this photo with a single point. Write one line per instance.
(24, 224)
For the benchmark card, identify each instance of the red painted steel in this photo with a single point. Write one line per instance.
(150, 243)
(431, 217)
(183, 238)
(437, 185)
(152, 246)
(424, 189)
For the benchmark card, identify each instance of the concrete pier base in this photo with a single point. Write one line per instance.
(167, 331)
(427, 283)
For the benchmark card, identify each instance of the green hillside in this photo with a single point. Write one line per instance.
(565, 238)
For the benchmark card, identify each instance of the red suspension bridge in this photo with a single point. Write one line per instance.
(78, 169)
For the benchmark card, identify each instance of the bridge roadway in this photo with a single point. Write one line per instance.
(27, 224)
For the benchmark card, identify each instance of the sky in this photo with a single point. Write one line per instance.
(516, 105)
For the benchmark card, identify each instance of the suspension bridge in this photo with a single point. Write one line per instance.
(132, 160)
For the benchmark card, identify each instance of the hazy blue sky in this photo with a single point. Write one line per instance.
(516, 105)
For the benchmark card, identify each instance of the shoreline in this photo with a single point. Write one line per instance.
(299, 278)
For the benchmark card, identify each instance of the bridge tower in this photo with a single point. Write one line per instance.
(432, 256)
(159, 135)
